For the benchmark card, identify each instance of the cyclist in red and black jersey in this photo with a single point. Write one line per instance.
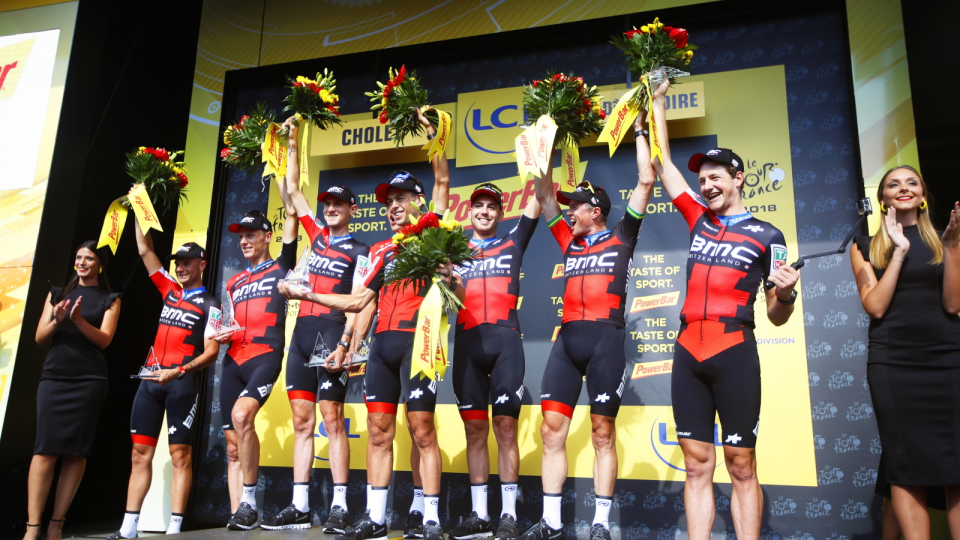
(387, 378)
(331, 261)
(255, 357)
(590, 343)
(184, 345)
(488, 363)
(716, 367)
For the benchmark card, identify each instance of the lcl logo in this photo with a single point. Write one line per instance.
(477, 121)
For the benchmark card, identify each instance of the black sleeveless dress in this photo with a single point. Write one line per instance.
(913, 369)
(73, 384)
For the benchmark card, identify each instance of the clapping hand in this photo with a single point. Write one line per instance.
(952, 233)
(75, 312)
(895, 231)
(60, 310)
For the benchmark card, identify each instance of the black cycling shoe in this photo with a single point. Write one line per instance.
(414, 528)
(338, 521)
(542, 531)
(471, 527)
(364, 529)
(114, 536)
(288, 518)
(599, 532)
(432, 531)
(507, 529)
(244, 520)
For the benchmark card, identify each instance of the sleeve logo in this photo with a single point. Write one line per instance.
(779, 256)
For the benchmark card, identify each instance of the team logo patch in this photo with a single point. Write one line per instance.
(779, 256)
(216, 319)
(364, 267)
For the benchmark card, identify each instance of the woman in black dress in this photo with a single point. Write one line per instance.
(909, 282)
(79, 321)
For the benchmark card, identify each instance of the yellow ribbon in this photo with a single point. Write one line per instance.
(430, 337)
(438, 145)
(546, 131)
(303, 151)
(526, 144)
(273, 152)
(570, 165)
(656, 147)
(113, 226)
(143, 209)
(619, 121)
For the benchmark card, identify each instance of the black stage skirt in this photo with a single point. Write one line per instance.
(67, 415)
(918, 417)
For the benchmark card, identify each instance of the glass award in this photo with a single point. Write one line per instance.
(298, 279)
(318, 358)
(663, 73)
(362, 354)
(150, 369)
(223, 321)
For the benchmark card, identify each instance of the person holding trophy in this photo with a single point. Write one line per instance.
(324, 338)
(78, 321)
(255, 333)
(184, 345)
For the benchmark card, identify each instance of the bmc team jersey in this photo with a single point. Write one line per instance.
(596, 275)
(259, 307)
(492, 283)
(187, 318)
(726, 264)
(331, 267)
(398, 306)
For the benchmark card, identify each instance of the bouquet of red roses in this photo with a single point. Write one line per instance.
(397, 100)
(244, 139)
(658, 51)
(164, 178)
(314, 100)
(573, 106)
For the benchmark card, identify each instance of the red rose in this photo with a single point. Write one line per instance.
(383, 116)
(242, 120)
(678, 35)
(402, 74)
(297, 84)
(632, 33)
(183, 180)
(601, 114)
(428, 221)
(407, 230)
(535, 82)
(225, 153)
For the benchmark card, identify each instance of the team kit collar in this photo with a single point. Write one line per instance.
(194, 292)
(482, 244)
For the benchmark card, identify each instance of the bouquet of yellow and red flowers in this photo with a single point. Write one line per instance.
(314, 100)
(164, 178)
(245, 139)
(574, 107)
(425, 244)
(397, 100)
(658, 51)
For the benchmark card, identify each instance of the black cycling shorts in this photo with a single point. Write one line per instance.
(727, 383)
(314, 384)
(585, 348)
(488, 365)
(178, 398)
(387, 379)
(254, 379)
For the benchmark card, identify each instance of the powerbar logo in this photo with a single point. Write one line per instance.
(646, 369)
(557, 272)
(643, 303)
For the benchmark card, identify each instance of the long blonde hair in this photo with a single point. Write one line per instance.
(881, 247)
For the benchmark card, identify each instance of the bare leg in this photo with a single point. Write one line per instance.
(38, 489)
(889, 526)
(508, 458)
(182, 459)
(382, 428)
(333, 424)
(234, 475)
(478, 456)
(746, 504)
(953, 510)
(141, 474)
(425, 440)
(554, 431)
(605, 465)
(910, 505)
(244, 414)
(700, 460)
(304, 424)
(71, 472)
(414, 456)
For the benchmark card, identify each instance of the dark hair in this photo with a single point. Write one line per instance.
(103, 257)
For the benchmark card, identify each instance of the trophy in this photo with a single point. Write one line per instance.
(318, 358)
(298, 279)
(150, 368)
(663, 73)
(223, 321)
(363, 348)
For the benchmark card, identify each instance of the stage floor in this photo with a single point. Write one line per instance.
(260, 534)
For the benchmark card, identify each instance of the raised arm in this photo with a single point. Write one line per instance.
(292, 179)
(670, 176)
(646, 176)
(546, 195)
(876, 295)
(441, 171)
(533, 209)
(145, 245)
(951, 262)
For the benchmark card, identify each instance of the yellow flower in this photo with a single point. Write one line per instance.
(304, 80)
(688, 54)
(645, 29)
(449, 225)
(383, 103)
(325, 95)
(656, 22)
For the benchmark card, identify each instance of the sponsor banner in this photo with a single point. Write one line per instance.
(646, 369)
(643, 303)
(360, 133)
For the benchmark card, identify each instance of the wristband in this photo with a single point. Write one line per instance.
(182, 374)
(430, 136)
(641, 133)
(791, 301)
(454, 284)
(345, 344)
